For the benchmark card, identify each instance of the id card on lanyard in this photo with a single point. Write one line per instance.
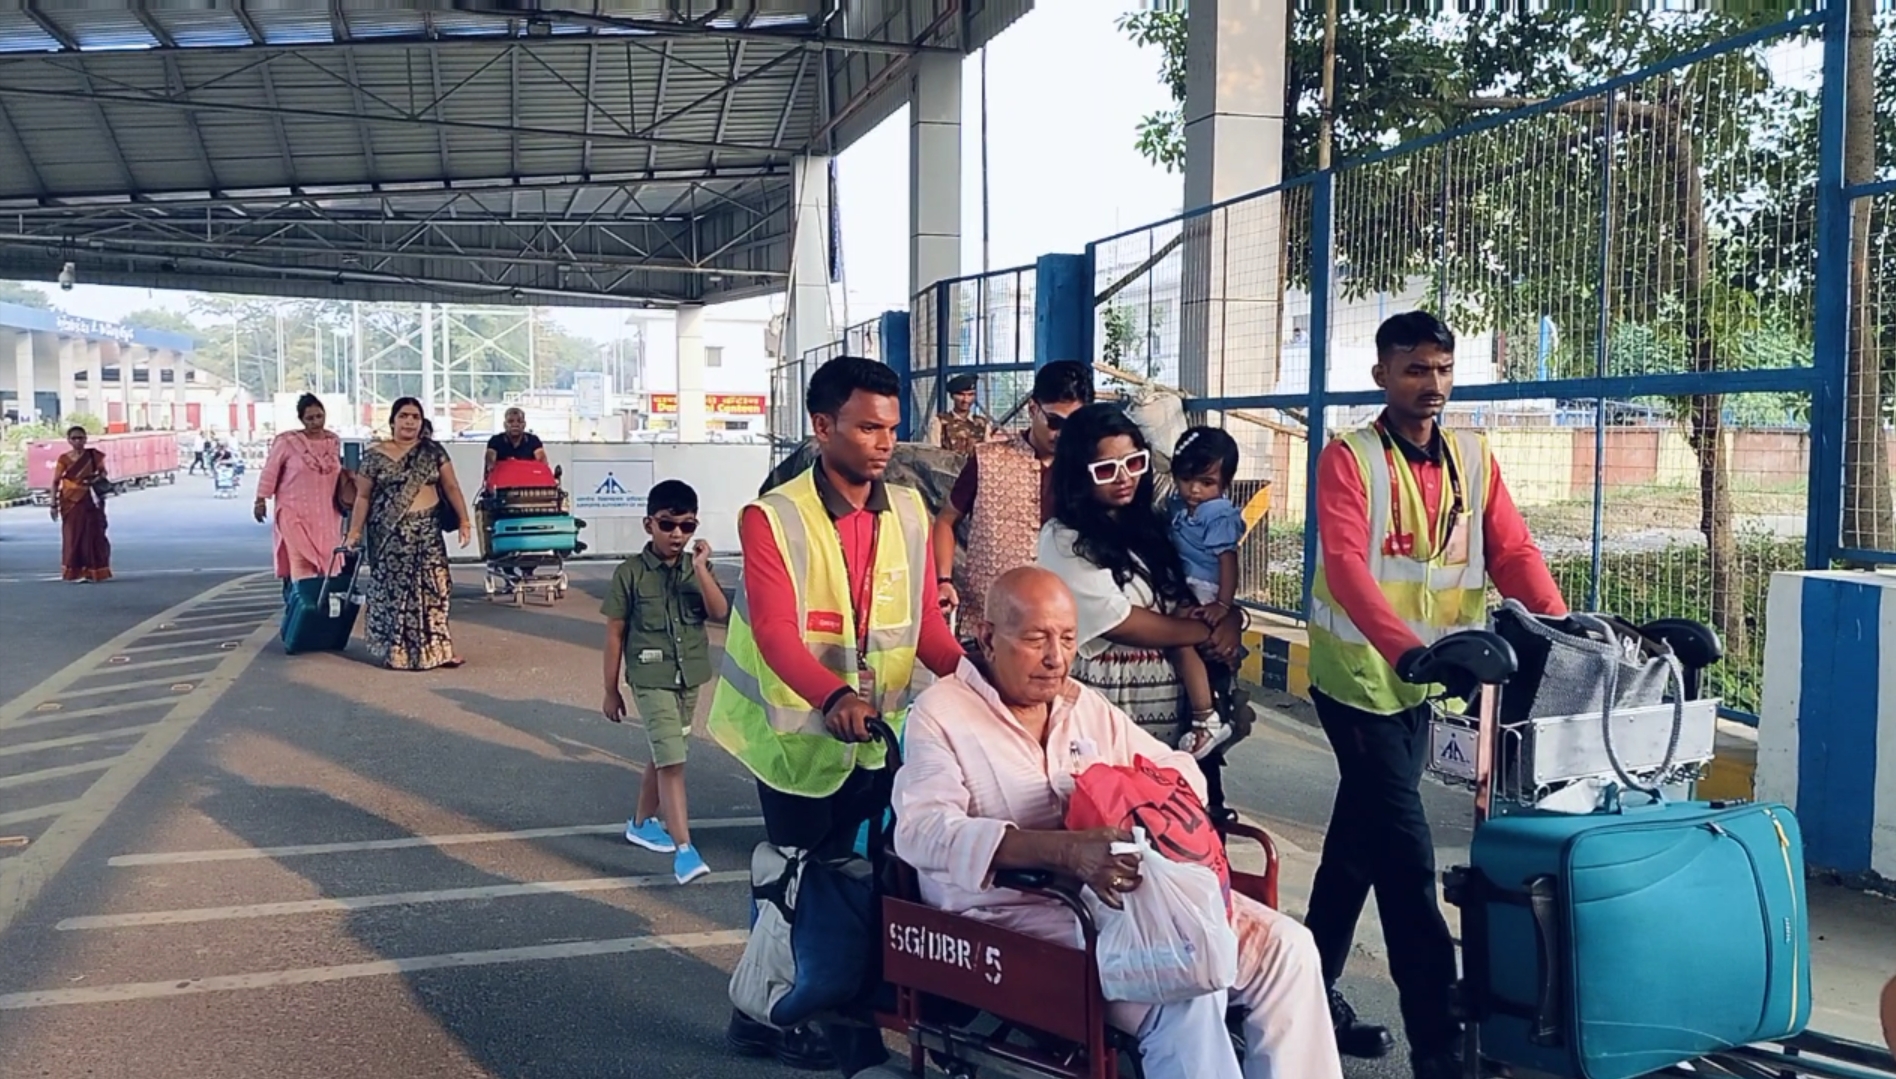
(861, 602)
(1452, 548)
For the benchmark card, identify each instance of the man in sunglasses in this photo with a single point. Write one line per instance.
(836, 615)
(1006, 492)
(1413, 522)
(655, 612)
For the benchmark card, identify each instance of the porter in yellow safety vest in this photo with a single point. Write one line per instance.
(759, 719)
(1431, 594)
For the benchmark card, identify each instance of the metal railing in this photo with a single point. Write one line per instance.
(788, 425)
(1660, 330)
(982, 326)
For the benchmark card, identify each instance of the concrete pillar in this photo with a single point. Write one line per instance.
(160, 394)
(95, 379)
(69, 377)
(934, 169)
(126, 362)
(23, 382)
(1231, 334)
(807, 323)
(691, 427)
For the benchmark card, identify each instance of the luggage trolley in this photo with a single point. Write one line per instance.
(1560, 768)
(527, 531)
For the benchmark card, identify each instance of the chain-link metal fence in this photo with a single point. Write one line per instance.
(1636, 277)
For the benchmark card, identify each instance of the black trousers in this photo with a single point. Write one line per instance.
(1379, 839)
(828, 827)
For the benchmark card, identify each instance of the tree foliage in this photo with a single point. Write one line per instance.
(25, 295)
(1680, 206)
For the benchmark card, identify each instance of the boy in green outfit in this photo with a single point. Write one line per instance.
(655, 613)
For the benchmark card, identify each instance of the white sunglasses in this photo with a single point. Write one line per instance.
(1133, 465)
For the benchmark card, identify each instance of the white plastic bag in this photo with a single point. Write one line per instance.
(1171, 942)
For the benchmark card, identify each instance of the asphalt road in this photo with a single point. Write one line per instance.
(241, 864)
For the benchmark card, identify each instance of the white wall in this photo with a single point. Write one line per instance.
(745, 368)
(725, 476)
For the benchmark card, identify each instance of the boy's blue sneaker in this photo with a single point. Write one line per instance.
(650, 834)
(687, 866)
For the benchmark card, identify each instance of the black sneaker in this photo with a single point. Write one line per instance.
(1355, 1038)
(747, 1037)
(805, 1049)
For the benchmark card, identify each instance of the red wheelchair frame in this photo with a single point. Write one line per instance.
(948, 971)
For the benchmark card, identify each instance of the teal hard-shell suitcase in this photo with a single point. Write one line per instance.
(1614, 944)
(556, 533)
(319, 613)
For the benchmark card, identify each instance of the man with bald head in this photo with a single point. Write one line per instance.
(992, 753)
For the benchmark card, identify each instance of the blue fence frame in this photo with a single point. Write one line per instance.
(1822, 380)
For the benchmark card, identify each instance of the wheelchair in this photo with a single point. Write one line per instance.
(978, 997)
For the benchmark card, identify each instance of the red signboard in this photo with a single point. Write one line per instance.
(722, 404)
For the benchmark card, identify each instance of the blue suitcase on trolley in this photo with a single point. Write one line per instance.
(1613, 944)
(558, 533)
(319, 613)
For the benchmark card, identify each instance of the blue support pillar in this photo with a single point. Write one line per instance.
(1831, 330)
(1063, 309)
(893, 331)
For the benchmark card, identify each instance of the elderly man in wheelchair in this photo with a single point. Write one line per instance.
(992, 755)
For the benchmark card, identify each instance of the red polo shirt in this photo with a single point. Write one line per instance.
(773, 602)
(1514, 563)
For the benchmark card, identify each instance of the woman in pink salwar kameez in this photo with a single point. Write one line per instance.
(301, 474)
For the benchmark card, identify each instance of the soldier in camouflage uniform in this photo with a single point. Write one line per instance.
(960, 430)
(1005, 493)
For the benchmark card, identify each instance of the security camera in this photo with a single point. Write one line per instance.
(68, 276)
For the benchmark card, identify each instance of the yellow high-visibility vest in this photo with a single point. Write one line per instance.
(1431, 595)
(755, 715)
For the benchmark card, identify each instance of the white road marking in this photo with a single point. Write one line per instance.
(237, 854)
(49, 689)
(74, 740)
(23, 875)
(277, 979)
(209, 642)
(116, 687)
(211, 656)
(86, 713)
(392, 899)
(57, 772)
(250, 610)
(20, 816)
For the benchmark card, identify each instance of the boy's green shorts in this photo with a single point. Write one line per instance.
(666, 714)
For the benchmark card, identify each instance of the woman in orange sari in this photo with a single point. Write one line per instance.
(85, 553)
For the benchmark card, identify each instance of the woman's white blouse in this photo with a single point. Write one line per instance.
(1102, 604)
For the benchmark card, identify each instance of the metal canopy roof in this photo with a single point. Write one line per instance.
(466, 152)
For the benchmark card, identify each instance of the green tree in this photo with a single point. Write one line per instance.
(25, 295)
(1506, 223)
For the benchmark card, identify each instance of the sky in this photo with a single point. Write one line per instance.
(1065, 93)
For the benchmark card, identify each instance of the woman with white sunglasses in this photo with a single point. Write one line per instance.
(1110, 544)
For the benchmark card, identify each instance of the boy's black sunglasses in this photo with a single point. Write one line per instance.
(666, 525)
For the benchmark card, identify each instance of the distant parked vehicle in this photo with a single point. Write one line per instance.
(146, 459)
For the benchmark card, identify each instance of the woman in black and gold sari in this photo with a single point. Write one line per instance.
(407, 482)
(78, 491)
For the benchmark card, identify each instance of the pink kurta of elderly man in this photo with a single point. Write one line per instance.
(973, 771)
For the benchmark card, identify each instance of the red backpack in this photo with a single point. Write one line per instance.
(1158, 800)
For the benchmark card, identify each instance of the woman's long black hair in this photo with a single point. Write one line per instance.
(1132, 541)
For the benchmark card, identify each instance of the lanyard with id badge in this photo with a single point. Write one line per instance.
(1453, 548)
(861, 600)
